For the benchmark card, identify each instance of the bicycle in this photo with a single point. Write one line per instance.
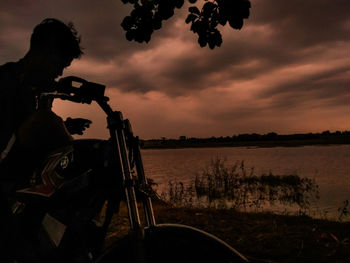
(88, 179)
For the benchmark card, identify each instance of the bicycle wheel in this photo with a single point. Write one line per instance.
(174, 243)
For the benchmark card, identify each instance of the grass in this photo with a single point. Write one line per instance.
(269, 237)
(223, 186)
(261, 237)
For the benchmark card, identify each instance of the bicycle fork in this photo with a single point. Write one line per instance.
(120, 130)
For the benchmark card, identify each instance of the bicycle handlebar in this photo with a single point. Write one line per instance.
(86, 92)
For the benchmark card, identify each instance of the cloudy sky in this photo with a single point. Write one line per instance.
(287, 70)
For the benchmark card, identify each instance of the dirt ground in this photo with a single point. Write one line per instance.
(261, 237)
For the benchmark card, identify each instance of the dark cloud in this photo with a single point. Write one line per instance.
(261, 67)
(323, 85)
(303, 23)
(133, 82)
(291, 33)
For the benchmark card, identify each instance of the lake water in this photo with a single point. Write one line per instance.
(328, 165)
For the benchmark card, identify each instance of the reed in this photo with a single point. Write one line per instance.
(234, 186)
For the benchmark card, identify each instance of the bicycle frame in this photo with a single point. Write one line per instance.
(120, 133)
(149, 239)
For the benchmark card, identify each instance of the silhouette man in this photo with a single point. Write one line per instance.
(29, 130)
(53, 46)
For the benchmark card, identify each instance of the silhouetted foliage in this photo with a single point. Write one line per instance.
(148, 15)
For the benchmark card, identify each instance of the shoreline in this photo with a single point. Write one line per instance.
(250, 145)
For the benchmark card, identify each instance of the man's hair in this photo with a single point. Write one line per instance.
(52, 33)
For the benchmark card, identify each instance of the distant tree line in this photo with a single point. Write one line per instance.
(324, 137)
(266, 137)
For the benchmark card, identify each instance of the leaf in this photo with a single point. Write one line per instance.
(190, 18)
(157, 24)
(208, 8)
(129, 35)
(202, 41)
(245, 6)
(195, 26)
(211, 44)
(236, 23)
(147, 3)
(165, 11)
(212, 39)
(127, 22)
(222, 20)
(139, 36)
(147, 37)
(218, 39)
(194, 10)
(179, 3)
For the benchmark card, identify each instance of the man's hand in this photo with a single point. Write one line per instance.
(77, 125)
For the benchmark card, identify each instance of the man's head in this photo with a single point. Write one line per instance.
(53, 46)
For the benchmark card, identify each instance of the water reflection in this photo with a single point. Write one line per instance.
(328, 165)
